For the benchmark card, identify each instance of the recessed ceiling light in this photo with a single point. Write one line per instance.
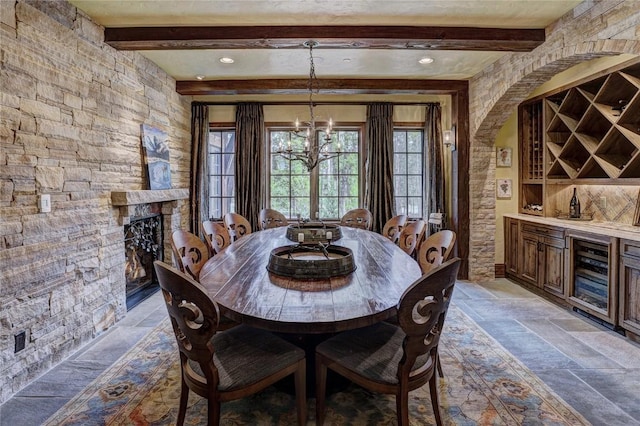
(199, 77)
(426, 60)
(346, 60)
(226, 60)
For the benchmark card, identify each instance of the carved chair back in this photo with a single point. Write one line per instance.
(436, 249)
(216, 236)
(393, 227)
(270, 218)
(237, 225)
(411, 236)
(190, 252)
(357, 218)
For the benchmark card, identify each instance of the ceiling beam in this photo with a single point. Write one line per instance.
(331, 36)
(326, 86)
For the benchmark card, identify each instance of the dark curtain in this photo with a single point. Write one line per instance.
(434, 160)
(379, 197)
(249, 182)
(199, 207)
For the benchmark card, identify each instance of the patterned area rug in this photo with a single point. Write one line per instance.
(483, 385)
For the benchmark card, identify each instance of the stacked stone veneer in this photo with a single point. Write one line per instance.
(591, 30)
(70, 114)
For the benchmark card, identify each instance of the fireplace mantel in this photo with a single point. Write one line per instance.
(141, 196)
(132, 203)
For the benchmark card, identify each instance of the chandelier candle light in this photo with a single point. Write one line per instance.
(316, 147)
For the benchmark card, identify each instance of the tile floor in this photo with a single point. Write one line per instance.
(594, 369)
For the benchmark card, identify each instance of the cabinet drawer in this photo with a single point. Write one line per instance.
(630, 248)
(546, 231)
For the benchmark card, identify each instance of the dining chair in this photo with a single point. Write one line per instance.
(357, 218)
(237, 225)
(394, 359)
(436, 249)
(189, 251)
(191, 254)
(225, 366)
(216, 236)
(411, 236)
(270, 218)
(393, 227)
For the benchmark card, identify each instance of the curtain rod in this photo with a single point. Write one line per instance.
(315, 103)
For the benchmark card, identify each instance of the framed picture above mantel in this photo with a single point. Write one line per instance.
(155, 145)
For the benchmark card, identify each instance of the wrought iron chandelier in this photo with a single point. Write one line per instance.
(317, 142)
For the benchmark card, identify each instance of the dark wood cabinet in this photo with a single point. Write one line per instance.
(553, 272)
(530, 247)
(629, 292)
(540, 253)
(511, 236)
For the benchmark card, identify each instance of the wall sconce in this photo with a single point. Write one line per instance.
(449, 138)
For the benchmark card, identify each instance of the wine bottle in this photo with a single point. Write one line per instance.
(574, 205)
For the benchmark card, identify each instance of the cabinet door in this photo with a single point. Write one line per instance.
(553, 271)
(629, 316)
(530, 258)
(511, 246)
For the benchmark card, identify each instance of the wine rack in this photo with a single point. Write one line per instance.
(532, 158)
(587, 133)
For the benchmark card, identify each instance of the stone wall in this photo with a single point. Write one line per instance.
(593, 29)
(71, 108)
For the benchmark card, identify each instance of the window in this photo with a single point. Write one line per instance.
(222, 148)
(408, 172)
(328, 191)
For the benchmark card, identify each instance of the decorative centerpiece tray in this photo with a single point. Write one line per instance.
(311, 261)
(313, 232)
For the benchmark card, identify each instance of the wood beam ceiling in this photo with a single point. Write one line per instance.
(344, 86)
(332, 36)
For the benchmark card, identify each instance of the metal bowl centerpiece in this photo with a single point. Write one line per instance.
(311, 232)
(311, 261)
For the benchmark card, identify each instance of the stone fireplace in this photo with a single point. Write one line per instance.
(143, 244)
(146, 218)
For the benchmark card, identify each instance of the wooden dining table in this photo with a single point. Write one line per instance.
(238, 280)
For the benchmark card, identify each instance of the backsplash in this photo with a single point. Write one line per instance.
(620, 202)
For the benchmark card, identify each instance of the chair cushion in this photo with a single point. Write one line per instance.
(373, 352)
(245, 355)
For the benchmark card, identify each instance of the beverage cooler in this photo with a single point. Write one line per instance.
(593, 276)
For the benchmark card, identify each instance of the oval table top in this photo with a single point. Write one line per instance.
(238, 280)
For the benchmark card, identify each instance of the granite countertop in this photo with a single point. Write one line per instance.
(611, 229)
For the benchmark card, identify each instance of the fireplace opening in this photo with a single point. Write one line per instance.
(143, 245)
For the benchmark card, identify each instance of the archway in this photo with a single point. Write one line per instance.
(494, 95)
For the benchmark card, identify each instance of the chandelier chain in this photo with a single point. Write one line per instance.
(316, 147)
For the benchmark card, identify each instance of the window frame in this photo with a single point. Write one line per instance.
(314, 177)
(423, 185)
(220, 128)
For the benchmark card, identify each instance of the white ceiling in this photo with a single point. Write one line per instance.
(335, 63)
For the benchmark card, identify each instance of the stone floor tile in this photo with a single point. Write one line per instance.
(581, 396)
(581, 353)
(614, 346)
(621, 386)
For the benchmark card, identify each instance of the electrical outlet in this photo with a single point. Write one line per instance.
(603, 203)
(21, 341)
(45, 203)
